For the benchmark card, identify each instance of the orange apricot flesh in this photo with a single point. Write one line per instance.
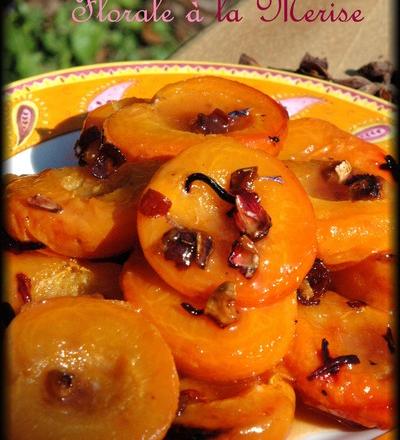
(44, 277)
(286, 253)
(96, 117)
(265, 410)
(348, 231)
(73, 213)
(312, 138)
(202, 349)
(163, 127)
(359, 392)
(111, 376)
(371, 280)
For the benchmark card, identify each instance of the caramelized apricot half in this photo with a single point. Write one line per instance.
(248, 347)
(371, 280)
(265, 268)
(186, 113)
(75, 214)
(354, 211)
(33, 277)
(342, 360)
(96, 117)
(312, 138)
(263, 410)
(111, 376)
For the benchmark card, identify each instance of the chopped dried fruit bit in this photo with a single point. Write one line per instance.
(250, 217)
(244, 256)
(243, 179)
(185, 246)
(154, 204)
(217, 122)
(314, 285)
(221, 305)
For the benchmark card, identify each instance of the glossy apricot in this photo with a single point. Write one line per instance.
(87, 368)
(286, 253)
(53, 276)
(361, 392)
(312, 138)
(164, 127)
(202, 349)
(348, 231)
(371, 280)
(83, 216)
(96, 117)
(263, 410)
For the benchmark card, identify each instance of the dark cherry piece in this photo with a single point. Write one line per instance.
(154, 204)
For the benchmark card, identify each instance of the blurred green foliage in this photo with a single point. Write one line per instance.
(36, 42)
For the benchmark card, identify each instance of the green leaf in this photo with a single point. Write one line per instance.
(86, 41)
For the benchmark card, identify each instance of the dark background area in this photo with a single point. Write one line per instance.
(40, 36)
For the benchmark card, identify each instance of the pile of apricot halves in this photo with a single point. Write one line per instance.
(208, 264)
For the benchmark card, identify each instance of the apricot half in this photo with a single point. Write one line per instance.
(75, 214)
(183, 114)
(342, 360)
(33, 277)
(285, 252)
(248, 347)
(265, 410)
(354, 216)
(111, 376)
(96, 117)
(371, 280)
(312, 138)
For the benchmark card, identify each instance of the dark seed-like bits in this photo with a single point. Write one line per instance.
(154, 204)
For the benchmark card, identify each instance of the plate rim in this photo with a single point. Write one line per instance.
(84, 70)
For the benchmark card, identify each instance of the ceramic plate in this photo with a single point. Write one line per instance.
(43, 115)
